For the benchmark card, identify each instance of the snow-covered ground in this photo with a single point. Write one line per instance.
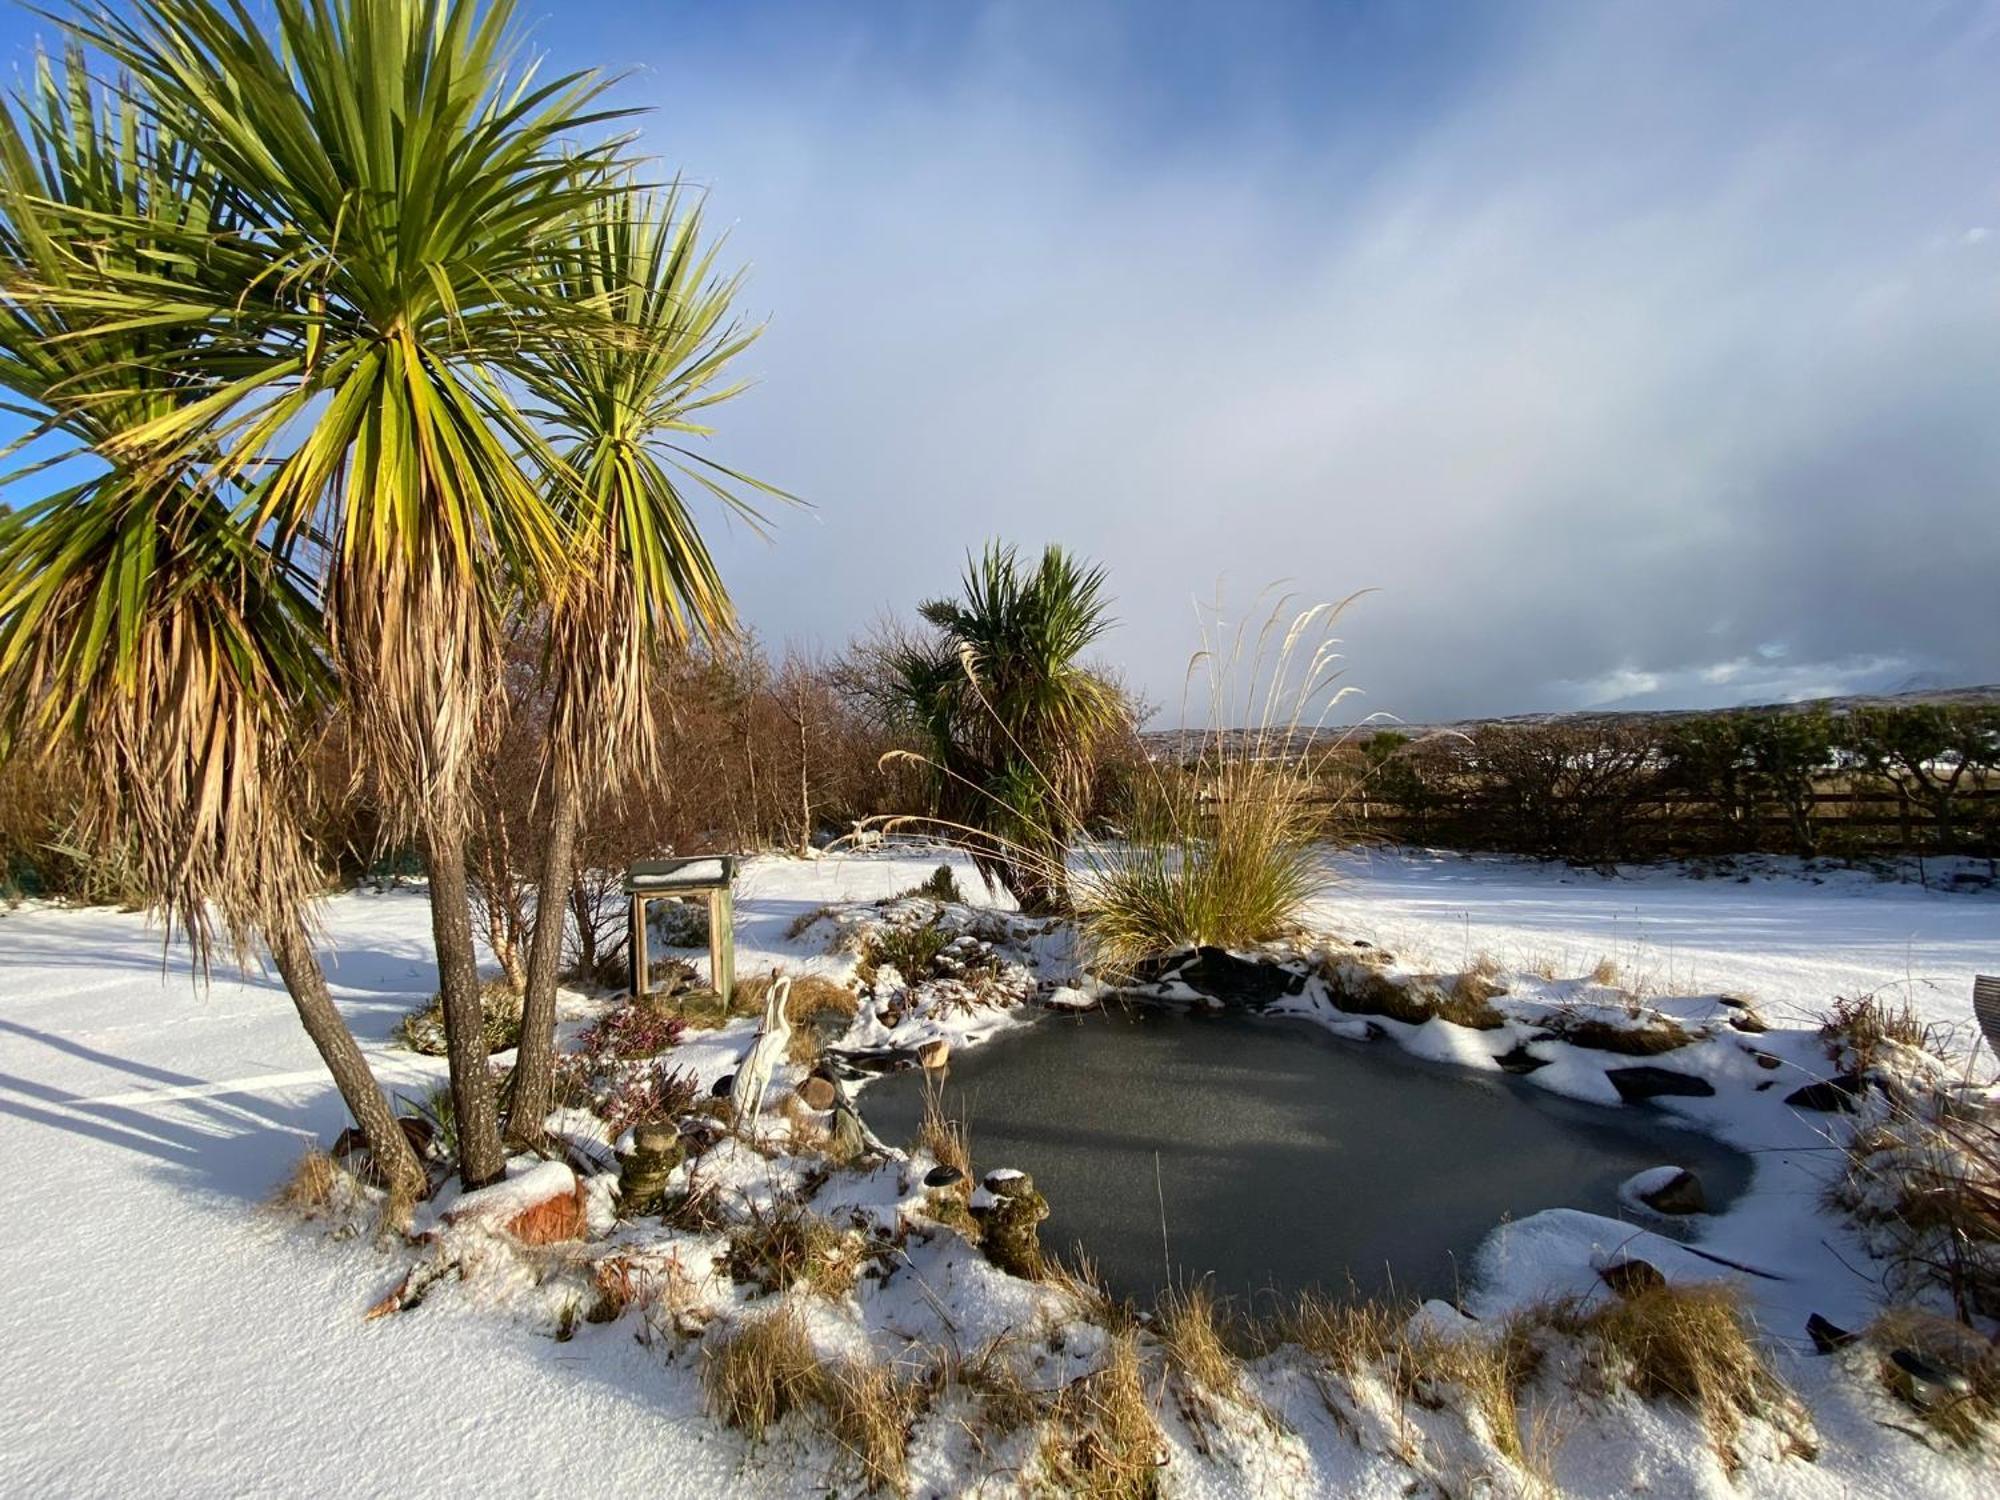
(163, 1332)
(1790, 942)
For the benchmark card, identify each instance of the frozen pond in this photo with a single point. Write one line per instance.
(1282, 1156)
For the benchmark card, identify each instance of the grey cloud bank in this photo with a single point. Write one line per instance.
(1654, 361)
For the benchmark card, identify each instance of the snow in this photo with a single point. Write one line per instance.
(1788, 940)
(167, 1332)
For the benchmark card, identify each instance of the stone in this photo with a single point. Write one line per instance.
(542, 1206)
(1681, 1194)
(944, 1176)
(1828, 1336)
(1766, 1061)
(1926, 1382)
(722, 1086)
(1637, 1084)
(816, 1092)
(643, 1171)
(1520, 1060)
(1828, 1096)
(1010, 1212)
(933, 1054)
(1221, 975)
(1632, 1278)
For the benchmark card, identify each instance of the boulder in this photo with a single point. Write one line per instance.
(816, 1092)
(1010, 1212)
(1221, 975)
(1829, 1095)
(1680, 1194)
(542, 1206)
(1632, 1278)
(1826, 1335)
(1635, 1085)
(643, 1171)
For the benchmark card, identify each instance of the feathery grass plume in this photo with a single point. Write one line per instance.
(947, 1141)
(1218, 846)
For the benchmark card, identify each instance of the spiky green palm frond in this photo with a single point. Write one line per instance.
(143, 631)
(405, 175)
(620, 397)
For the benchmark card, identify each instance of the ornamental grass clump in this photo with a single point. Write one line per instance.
(1218, 844)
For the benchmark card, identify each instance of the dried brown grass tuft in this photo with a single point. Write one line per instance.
(1103, 1442)
(792, 1246)
(1856, 1032)
(946, 1140)
(1690, 1344)
(312, 1187)
(767, 1370)
(761, 1372)
(1078, 1279)
(1966, 1418)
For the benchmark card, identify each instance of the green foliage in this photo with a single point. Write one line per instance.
(940, 885)
(422, 1030)
(1009, 717)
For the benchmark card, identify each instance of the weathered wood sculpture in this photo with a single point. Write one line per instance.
(774, 1035)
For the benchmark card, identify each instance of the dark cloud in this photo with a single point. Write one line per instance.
(1643, 353)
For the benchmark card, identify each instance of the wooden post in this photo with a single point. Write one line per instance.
(722, 943)
(636, 947)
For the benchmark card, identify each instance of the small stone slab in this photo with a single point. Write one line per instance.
(1826, 1335)
(1637, 1084)
(1632, 1278)
(1680, 1194)
(1520, 1060)
(1829, 1095)
(817, 1092)
(945, 1176)
(1221, 975)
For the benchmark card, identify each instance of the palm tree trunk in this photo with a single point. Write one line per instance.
(299, 965)
(535, 1066)
(481, 1157)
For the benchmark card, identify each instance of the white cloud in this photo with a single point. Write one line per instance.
(1631, 356)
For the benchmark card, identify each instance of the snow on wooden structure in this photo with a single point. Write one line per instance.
(710, 875)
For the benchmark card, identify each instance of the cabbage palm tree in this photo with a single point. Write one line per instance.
(404, 178)
(1010, 716)
(144, 632)
(620, 400)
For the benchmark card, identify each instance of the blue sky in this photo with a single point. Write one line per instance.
(1633, 353)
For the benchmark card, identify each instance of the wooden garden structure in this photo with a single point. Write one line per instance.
(710, 875)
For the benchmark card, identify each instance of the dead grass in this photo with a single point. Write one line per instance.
(792, 1246)
(767, 1370)
(761, 1372)
(1857, 1031)
(1485, 1370)
(798, 926)
(1689, 1344)
(1365, 991)
(1103, 1442)
(947, 1141)
(1605, 972)
(1653, 1036)
(1194, 1329)
(1927, 1182)
(1965, 1419)
(1078, 1279)
(312, 1187)
(1007, 1403)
